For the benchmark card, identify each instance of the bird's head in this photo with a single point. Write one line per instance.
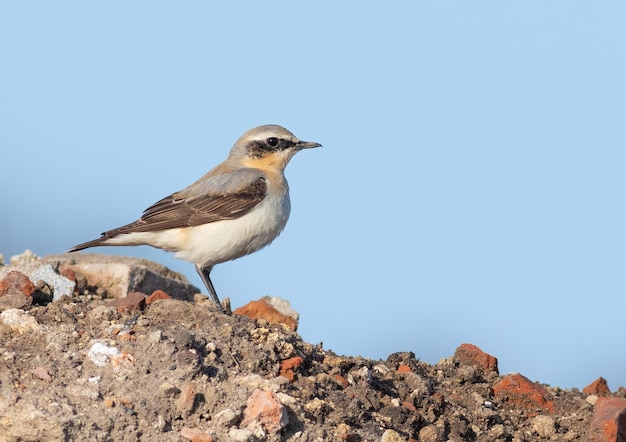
(268, 147)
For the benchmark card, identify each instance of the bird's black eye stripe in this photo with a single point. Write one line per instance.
(271, 144)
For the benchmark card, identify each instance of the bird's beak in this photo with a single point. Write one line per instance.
(307, 145)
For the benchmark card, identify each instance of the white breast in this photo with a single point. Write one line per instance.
(217, 242)
(222, 241)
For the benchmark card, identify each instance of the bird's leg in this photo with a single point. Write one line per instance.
(204, 273)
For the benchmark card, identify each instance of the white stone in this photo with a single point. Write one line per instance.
(100, 353)
(61, 285)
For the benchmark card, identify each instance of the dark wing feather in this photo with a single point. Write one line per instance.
(176, 211)
(172, 212)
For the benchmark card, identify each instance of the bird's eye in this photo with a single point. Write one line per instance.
(272, 141)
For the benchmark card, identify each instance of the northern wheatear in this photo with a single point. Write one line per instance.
(237, 208)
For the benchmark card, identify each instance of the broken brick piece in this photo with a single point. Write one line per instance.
(472, 355)
(609, 420)
(16, 281)
(599, 387)
(519, 392)
(289, 366)
(134, 300)
(262, 310)
(156, 295)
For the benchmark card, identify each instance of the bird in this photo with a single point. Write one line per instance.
(237, 208)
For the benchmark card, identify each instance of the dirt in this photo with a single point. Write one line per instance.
(81, 369)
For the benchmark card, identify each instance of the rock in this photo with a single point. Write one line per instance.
(19, 321)
(195, 435)
(403, 368)
(519, 392)
(283, 306)
(156, 296)
(41, 373)
(609, 420)
(592, 399)
(266, 408)
(133, 301)
(227, 417)
(472, 355)
(261, 309)
(391, 436)
(187, 399)
(61, 285)
(168, 389)
(121, 275)
(241, 435)
(100, 353)
(15, 300)
(289, 366)
(15, 281)
(26, 259)
(344, 432)
(544, 426)
(599, 387)
(431, 433)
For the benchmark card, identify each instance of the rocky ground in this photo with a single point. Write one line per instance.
(102, 348)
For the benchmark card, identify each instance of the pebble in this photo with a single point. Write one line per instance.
(195, 435)
(391, 436)
(19, 320)
(241, 435)
(41, 373)
(544, 426)
(227, 417)
(186, 400)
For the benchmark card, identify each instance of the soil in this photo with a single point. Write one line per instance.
(79, 368)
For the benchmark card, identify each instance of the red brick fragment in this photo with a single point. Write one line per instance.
(134, 300)
(403, 368)
(16, 281)
(409, 406)
(266, 408)
(156, 295)
(599, 387)
(472, 355)
(69, 274)
(609, 420)
(195, 435)
(262, 310)
(186, 400)
(519, 392)
(289, 366)
(341, 380)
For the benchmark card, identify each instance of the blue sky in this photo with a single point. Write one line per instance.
(470, 188)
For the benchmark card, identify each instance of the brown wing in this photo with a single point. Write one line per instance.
(172, 212)
(177, 211)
